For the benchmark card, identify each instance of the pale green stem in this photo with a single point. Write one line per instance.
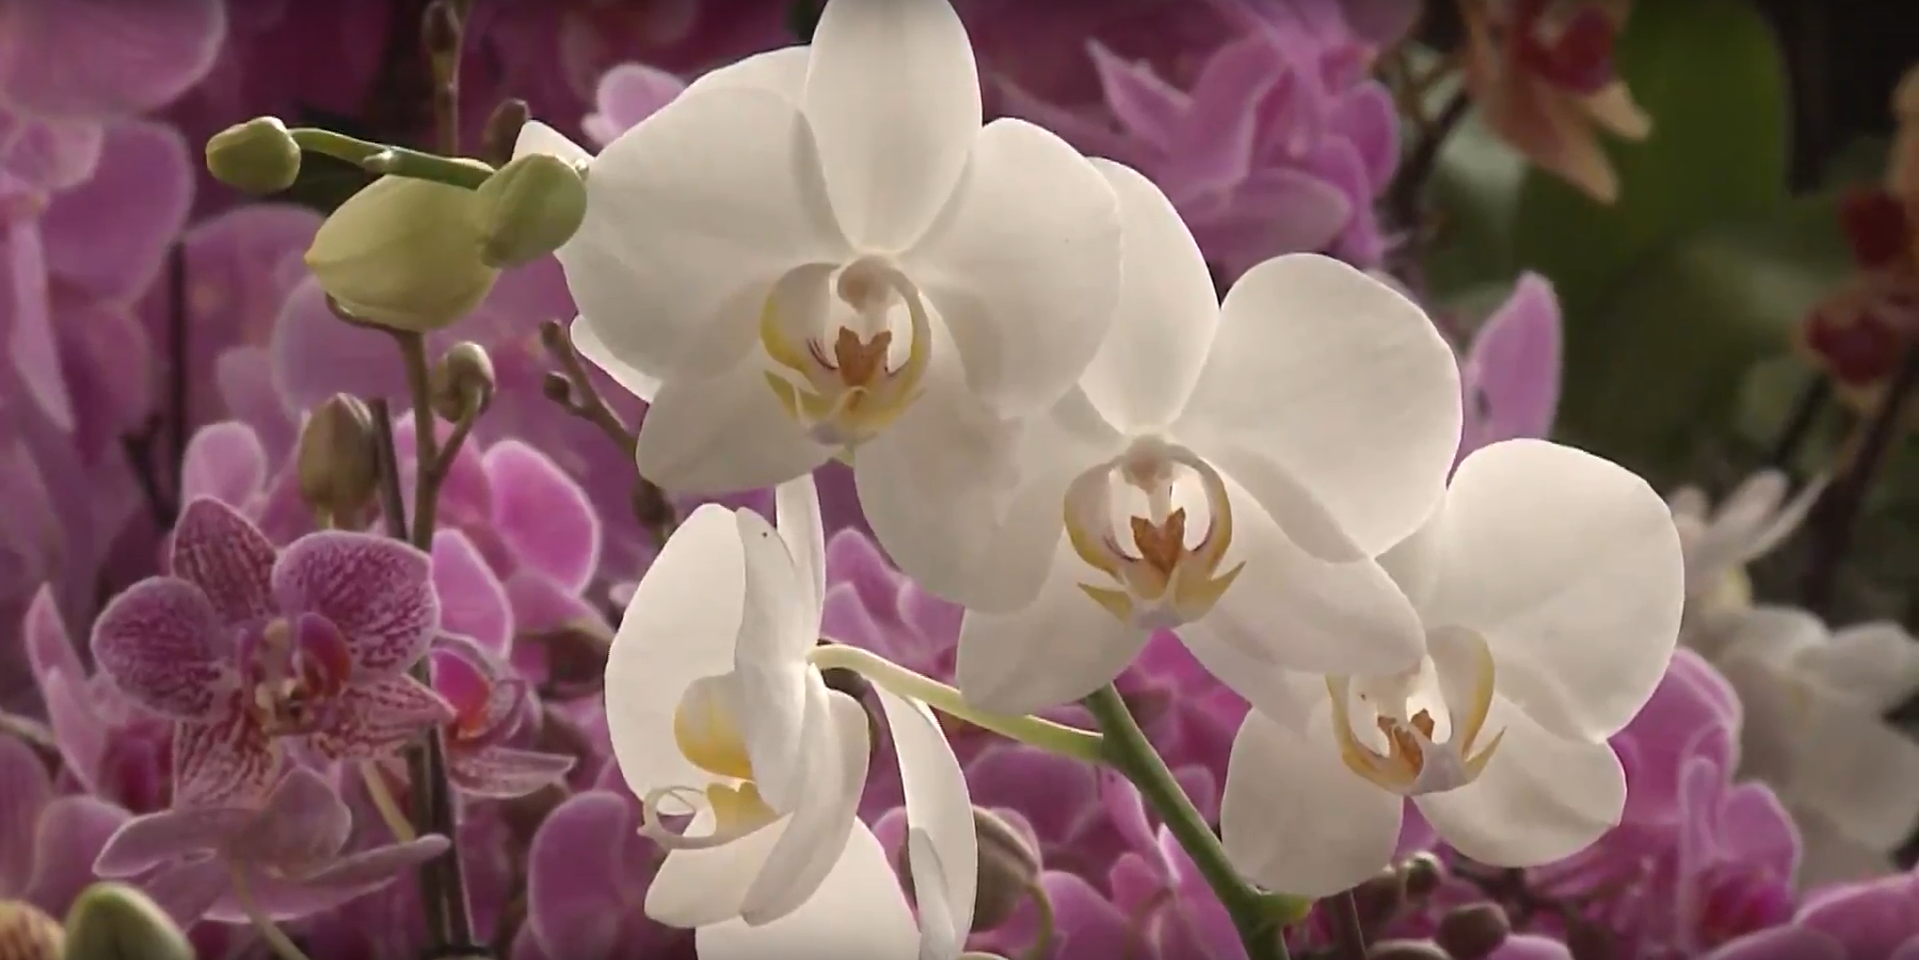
(276, 938)
(384, 160)
(383, 801)
(1033, 731)
(1259, 917)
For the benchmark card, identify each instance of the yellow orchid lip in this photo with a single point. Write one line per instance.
(1413, 763)
(709, 738)
(844, 393)
(1161, 581)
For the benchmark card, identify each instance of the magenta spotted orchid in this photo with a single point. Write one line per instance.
(250, 650)
(489, 711)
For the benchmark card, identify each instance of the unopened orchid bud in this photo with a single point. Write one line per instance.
(403, 254)
(337, 461)
(1473, 932)
(502, 131)
(528, 209)
(258, 156)
(1009, 869)
(1422, 873)
(28, 933)
(1406, 950)
(1379, 899)
(463, 382)
(113, 921)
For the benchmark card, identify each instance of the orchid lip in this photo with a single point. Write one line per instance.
(292, 669)
(844, 389)
(1429, 746)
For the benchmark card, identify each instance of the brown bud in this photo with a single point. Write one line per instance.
(1406, 950)
(463, 382)
(1473, 932)
(1423, 873)
(27, 933)
(575, 655)
(557, 387)
(1379, 899)
(1590, 941)
(1009, 869)
(440, 29)
(502, 131)
(337, 461)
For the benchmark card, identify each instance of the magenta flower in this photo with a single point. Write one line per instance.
(47, 841)
(587, 874)
(247, 647)
(489, 709)
(1511, 372)
(226, 461)
(285, 858)
(1856, 921)
(625, 95)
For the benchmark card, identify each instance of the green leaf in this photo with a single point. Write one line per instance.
(1710, 74)
(1475, 193)
(1683, 329)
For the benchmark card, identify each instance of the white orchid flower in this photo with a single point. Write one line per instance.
(1814, 729)
(1225, 470)
(715, 711)
(1720, 540)
(820, 249)
(1550, 583)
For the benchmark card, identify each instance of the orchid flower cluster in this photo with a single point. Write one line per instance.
(987, 502)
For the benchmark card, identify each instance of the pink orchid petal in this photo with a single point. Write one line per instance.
(243, 382)
(139, 56)
(543, 514)
(49, 645)
(303, 823)
(371, 869)
(187, 891)
(220, 551)
(72, 832)
(1219, 133)
(473, 602)
(48, 156)
(109, 367)
(227, 762)
(539, 604)
(627, 94)
(502, 773)
(577, 870)
(1511, 374)
(31, 343)
(316, 354)
(461, 678)
(378, 591)
(1367, 117)
(379, 718)
(28, 791)
(1148, 106)
(224, 462)
(145, 842)
(161, 642)
(77, 730)
(110, 235)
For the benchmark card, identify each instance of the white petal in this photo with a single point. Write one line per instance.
(690, 218)
(1293, 818)
(1062, 647)
(1540, 798)
(838, 746)
(679, 627)
(1777, 635)
(1281, 694)
(942, 935)
(939, 809)
(858, 913)
(781, 71)
(592, 349)
(893, 93)
(1878, 663)
(1339, 618)
(538, 138)
(723, 434)
(1853, 768)
(695, 888)
(1571, 568)
(1341, 380)
(1024, 265)
(796, 509)
(1415, 563)
(1167, 314)
(777, 628)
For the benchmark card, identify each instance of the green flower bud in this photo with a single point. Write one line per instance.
(403, 254)
(112, 921)
(336, 461)
(529, 209)
(1473, 932)
(258, 156)
(463, 382)
(27, 933)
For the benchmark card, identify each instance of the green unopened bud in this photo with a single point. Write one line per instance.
(1473, 932)
(403, 254)
(529, 209)
(1406, 950)
(1009, 869)
(258, 156)
(337, 461)
(112, 921)
(463, 382)
(27, 933)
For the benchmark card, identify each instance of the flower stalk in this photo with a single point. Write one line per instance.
(276, 938)
(572, 388)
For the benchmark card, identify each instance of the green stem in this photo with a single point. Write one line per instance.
(1260, 917)
(275, 937)
(1052, 737)
(388, 161)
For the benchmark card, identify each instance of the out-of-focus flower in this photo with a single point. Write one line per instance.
(1721, 539)
(903, 269)
(1857, 334)
(626, 95)
(46, 840)
(1275, 142)
(1199, 493)
(1815, 700)
(244, 645)
(1510, 373)
(1863, 921)
(1543, 74)
(1551, 585)
(488, 710)
(587, 873)
(282, 860)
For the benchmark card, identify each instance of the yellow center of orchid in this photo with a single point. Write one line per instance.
(847, 382)
(1420, 737)
(709, 738)
(1156, 523)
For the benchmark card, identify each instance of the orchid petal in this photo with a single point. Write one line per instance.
(378, 591)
